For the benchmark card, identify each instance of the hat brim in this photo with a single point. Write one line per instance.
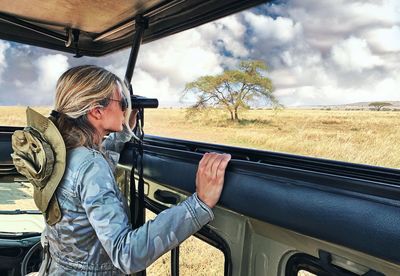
(52, 135)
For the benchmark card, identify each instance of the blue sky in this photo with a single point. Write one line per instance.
(318, 52)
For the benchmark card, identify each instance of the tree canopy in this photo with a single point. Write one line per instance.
(233, 89)
(379, 105)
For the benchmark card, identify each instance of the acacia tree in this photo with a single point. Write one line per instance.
(233, 89)
(379, 105)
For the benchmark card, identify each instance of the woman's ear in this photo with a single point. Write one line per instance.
(96, 113)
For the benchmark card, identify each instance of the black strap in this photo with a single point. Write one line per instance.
(55, 114)
(132, 190)
(140, 213)
(136, 206)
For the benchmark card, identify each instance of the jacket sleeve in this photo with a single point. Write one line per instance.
(134, 250)
(116, 140)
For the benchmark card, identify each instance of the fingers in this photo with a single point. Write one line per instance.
(211, 162)
(219, 165)
(213, 165)
(210, 177)
(202, 168)
(204, 160)
(222, 165)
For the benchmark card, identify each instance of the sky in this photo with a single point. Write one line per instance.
(318, 53)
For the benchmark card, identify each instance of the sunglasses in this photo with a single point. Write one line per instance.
(123, 103)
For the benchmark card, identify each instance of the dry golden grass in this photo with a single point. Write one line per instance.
(195, 258)
(15, 115)
(367, 137)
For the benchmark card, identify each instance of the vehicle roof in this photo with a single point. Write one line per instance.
(105, 26)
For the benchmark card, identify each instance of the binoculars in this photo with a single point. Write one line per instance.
(143, 102)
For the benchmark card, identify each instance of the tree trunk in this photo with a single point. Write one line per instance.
(236, 115)
(230, 111)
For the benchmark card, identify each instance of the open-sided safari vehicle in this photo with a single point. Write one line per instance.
(279, 214)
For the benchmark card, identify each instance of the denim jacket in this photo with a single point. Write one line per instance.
(94, 236)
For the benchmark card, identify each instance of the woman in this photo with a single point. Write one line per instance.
(94, 236)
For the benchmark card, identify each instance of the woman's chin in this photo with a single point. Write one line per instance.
(115, 129)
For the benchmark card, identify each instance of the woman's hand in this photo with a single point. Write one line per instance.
(210, 177)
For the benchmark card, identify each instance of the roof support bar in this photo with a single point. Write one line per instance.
(28, 26)
(137, 203)
(141, 24)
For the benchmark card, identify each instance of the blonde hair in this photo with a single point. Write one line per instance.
(79, 90)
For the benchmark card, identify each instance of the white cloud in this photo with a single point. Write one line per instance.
(18, 83)
(354, 54)
(227, 34)
(331, 95)
(50, 68)
(387, 12)
(165, 66)
(147, 85)
(182, 58)
(271, 32)
(298, 76)
(385, 39)
(3, 63)
(327, 22)
(388, 88)
(119, 71)
(331, 52)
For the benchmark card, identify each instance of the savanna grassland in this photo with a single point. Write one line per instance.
(367, 137)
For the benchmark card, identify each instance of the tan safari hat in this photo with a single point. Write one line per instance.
(40, 154)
